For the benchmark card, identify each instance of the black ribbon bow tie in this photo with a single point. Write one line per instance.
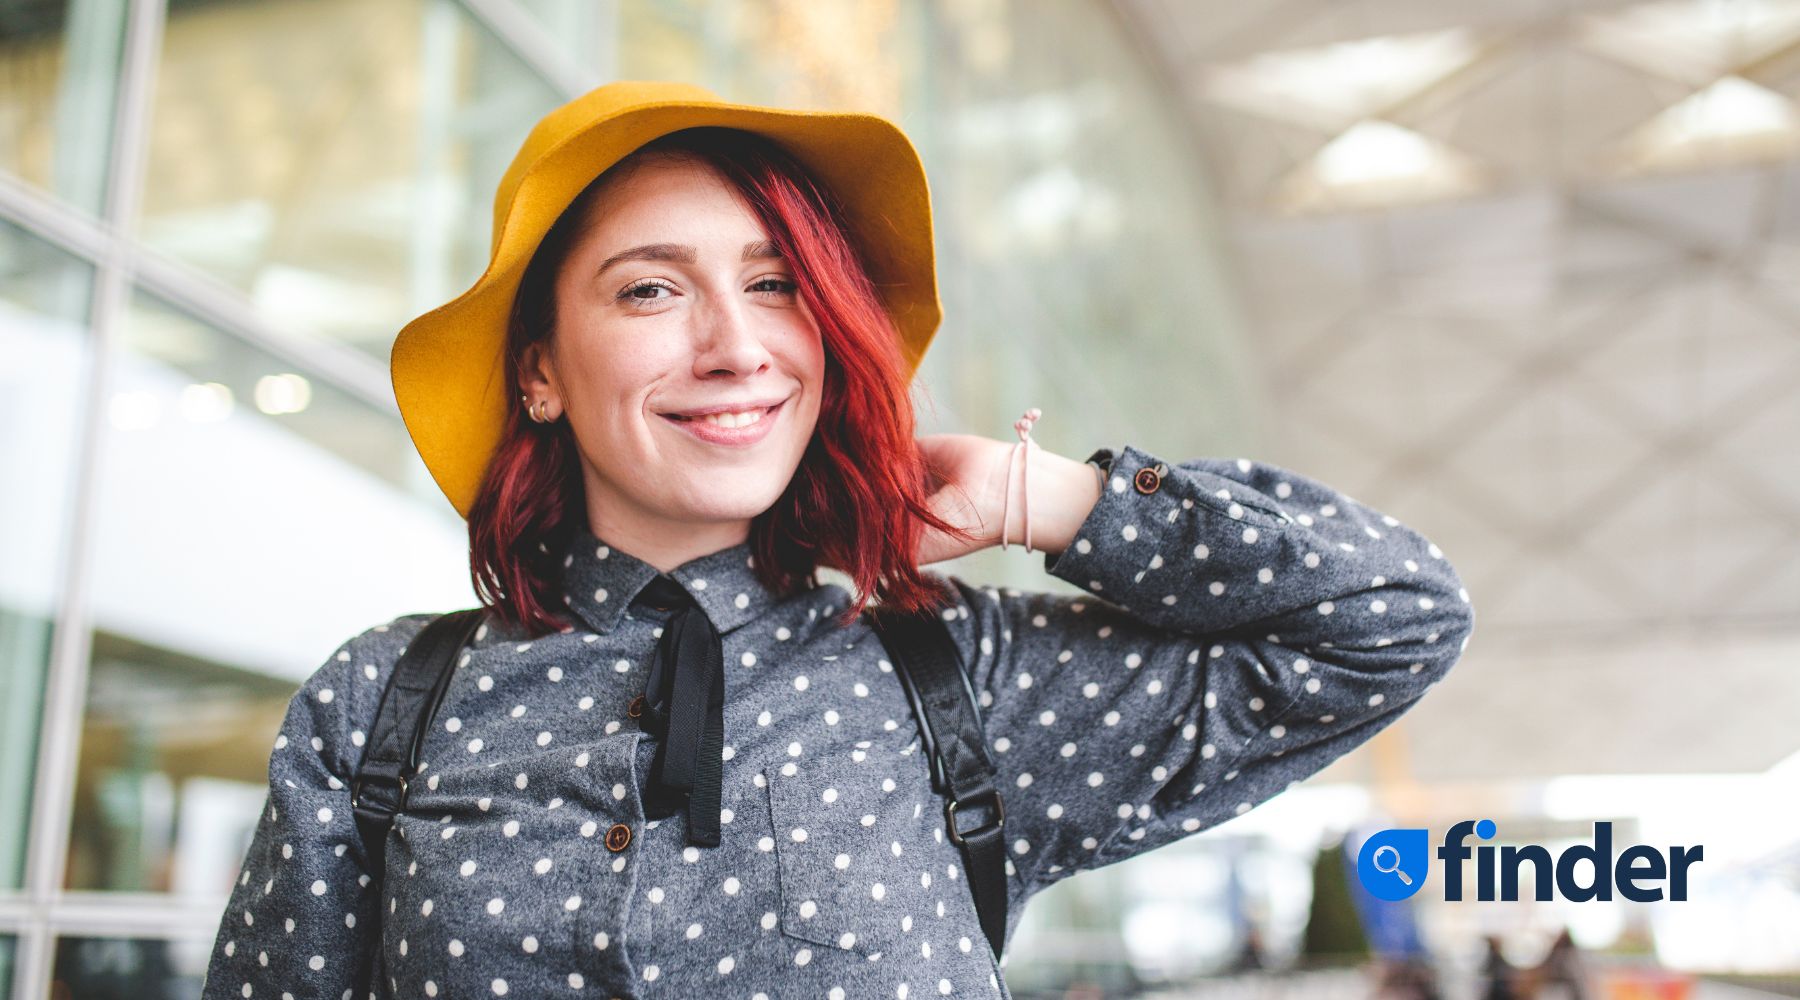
(684, 708)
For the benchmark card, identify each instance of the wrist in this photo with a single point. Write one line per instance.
(1063, 492)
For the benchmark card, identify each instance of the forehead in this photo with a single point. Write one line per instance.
(672, 199)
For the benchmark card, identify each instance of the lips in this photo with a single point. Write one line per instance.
(717, 434)
(742, 410)
(743, 406)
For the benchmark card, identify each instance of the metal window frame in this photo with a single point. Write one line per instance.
(41, 910)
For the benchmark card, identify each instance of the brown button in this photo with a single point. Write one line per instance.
(636, 708)
(618, 837)
(1148, 479)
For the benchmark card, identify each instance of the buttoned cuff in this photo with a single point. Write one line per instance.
(1138, 475)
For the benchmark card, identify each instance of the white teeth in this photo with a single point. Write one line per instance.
(743, 419)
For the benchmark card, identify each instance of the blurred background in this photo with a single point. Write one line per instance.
(1522, 274)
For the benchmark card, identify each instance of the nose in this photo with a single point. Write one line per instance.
(730, 343)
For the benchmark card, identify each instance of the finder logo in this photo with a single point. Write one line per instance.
(1393, 864)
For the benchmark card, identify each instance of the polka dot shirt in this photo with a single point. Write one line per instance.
(1241, 627)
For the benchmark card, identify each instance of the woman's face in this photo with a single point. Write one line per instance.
(673, 301)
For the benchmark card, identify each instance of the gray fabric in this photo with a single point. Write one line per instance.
(1244, 626)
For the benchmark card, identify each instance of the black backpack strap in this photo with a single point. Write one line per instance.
(943, 699)
(414, 690)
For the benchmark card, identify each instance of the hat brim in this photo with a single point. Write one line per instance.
(447, 364)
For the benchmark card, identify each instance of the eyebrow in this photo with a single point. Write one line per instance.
(683, 254)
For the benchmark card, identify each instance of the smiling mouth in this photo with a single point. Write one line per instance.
(746, 418)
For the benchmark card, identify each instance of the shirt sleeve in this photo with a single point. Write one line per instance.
(299, 916)
(1243, 627)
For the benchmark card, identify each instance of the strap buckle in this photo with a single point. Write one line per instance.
(957, 836)
(389, 793)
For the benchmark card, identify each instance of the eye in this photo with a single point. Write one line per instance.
(634, 290)
(782, 286)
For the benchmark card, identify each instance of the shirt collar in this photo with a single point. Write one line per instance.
(600, 581)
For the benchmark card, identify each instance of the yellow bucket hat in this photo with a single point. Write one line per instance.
(448, 365)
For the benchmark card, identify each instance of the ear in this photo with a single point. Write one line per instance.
(537, 371)
(537, 379)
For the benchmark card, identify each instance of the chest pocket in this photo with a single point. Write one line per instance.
(859, 865)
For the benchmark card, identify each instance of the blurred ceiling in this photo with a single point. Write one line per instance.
(1524, 275)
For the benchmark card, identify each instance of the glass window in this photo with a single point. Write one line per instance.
(580, 29)
(251, 518)
(334, 161)
(174, 767)
(44, 296)
(127, 969)
(59, 65)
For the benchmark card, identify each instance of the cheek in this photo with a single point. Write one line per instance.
(609, 381)
(807, 356)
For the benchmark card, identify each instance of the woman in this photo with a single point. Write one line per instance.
(1247, 624)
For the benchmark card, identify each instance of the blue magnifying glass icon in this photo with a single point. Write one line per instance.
(1395, 870)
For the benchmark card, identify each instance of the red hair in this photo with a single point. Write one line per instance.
(857, 502)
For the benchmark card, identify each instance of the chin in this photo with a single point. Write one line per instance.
(724, 496)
